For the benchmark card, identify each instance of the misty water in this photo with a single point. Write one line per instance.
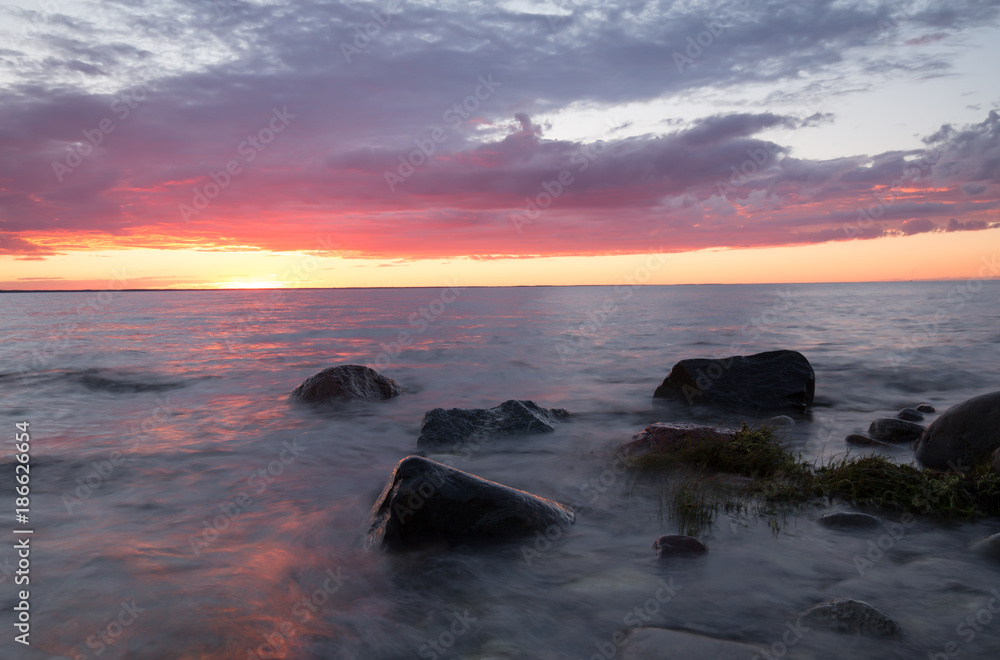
(183, 508)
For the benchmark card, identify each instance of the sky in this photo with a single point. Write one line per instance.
(234, 143)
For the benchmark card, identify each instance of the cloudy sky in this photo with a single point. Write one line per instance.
(184, 143)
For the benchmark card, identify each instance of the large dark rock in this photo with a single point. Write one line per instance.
(776, 380)
(846, 615)
(425, 501)
(346, 382)
(963, 436)
(673, 545)
(442, 428)
(891, 429)
(667, 437)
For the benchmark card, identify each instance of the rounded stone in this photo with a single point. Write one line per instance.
(925, 408)
(849, 520)
(846, 615)
(965, 435)
(677, 544)
(910, 415)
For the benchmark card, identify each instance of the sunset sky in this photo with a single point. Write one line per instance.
(201, 144)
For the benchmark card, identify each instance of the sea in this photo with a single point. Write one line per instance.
(181, 507)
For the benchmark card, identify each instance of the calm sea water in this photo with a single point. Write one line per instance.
(183, 509)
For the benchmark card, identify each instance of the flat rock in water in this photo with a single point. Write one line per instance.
(846, 615)
(665, 437)
(890, 429)
(352, 382)
(963, 436)
(910, 415)
(677, 544)
(775, 380)
(849, 520)
(663, 644)
(425, 501)
(859, 439)
(442, 427)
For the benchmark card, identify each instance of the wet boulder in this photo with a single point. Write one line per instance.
(673, 545)
(425, 501)
(444, 428)
(666, 437)
(864, 440)
(849, 520)
(910, 415)
(771, 381)
(645, 643)
(846, 615)
(963, 436)
(891, 429)
(352, 382)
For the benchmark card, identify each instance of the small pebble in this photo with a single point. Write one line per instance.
(858, 439)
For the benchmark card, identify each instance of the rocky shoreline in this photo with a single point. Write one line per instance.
(428, 504)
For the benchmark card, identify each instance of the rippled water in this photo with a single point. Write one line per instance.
(183, 509)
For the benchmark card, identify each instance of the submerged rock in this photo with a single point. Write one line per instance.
(849, 520)
(663, 644)
(846, 615)
(775, 380)
(963, 436)
(425, 501)
(926, 408)
(864, 440)
(664, 437)
(910, 415)
(779, 420)
(458, 425)
(989, 546)
(346, 381)
(890, 429)
(676, 544)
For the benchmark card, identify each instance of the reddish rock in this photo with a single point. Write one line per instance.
(663, 437)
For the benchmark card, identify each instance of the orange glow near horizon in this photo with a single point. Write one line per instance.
(928, 256)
